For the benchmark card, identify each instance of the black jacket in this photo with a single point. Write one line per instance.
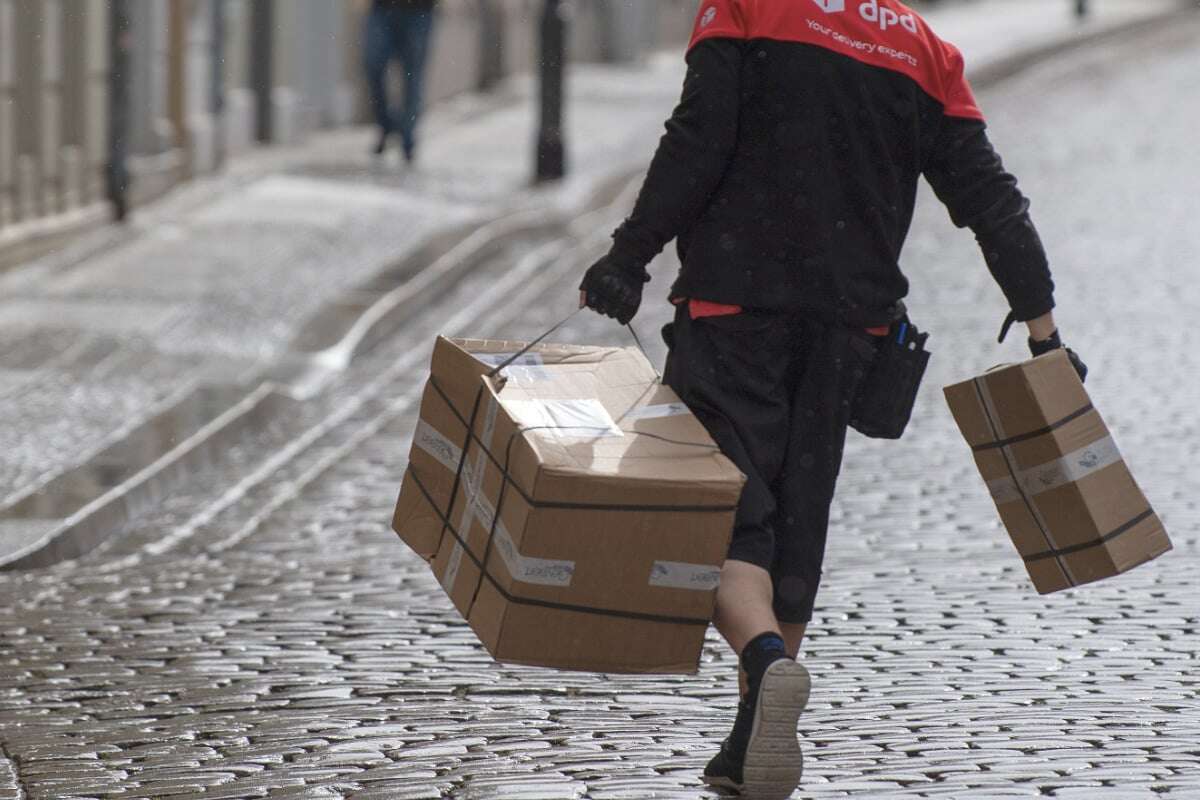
(789, 170)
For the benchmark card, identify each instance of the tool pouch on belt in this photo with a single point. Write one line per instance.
(885, 398)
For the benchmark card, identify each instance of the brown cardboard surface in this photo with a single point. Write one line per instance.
(583, 522)
(1065, 495)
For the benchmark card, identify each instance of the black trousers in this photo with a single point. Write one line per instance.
(774, 391)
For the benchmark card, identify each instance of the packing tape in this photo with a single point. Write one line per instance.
(656, 411)
(529, 601)
(541, 571)
(1059, 472)
(525, 369)
(678, 575)
(528, 497)
(451, 573)
(584, 418)
(444, 451)
(473, 483)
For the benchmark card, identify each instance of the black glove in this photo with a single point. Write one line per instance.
(613, 289)
(1054, 343)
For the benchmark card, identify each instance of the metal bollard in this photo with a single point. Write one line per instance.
(551, 151)
(116, 171)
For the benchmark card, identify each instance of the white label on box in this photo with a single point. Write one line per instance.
(542, 571)
(452, 566)
(473, 478)
(678, 575)
(1059, 472)
(660, 410)
(431, 441)
(565, 419)
(529, 368)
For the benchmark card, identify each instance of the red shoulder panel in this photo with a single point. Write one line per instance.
(719, 19)
(881, 33)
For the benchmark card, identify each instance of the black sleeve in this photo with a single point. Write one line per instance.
(691, 157)
(967, 175)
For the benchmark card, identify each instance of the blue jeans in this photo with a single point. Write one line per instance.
(397, 34)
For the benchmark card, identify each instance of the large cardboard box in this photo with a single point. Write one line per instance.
(583, 522)
(1069, 502)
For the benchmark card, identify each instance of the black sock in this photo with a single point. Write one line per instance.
(761, 652)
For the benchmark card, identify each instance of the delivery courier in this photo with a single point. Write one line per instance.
(788, 176)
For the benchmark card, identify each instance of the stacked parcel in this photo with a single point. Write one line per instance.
(573, 509)
(1069, 502)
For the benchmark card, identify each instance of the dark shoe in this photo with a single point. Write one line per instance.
(724, 771)
(772, 764)
(410, 153)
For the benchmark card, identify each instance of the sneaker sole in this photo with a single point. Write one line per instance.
(774, 762)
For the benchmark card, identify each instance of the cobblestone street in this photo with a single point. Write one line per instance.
(260, 632)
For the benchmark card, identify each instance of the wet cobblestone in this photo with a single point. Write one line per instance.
(301, 652)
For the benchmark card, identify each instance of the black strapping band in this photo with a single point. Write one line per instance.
(1012, 471)
(462, 462)
(529, 601)
(1024, 437)
(1105, 539)
(529, 500)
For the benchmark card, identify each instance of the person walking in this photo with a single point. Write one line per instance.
(788, 175)
(397, 30)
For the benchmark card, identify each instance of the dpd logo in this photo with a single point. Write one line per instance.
(886, 17)
(831, 6)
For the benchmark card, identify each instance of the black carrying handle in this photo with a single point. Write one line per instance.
(515, 356)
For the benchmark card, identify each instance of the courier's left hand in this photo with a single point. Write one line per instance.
(613, 289)
(1039, 348)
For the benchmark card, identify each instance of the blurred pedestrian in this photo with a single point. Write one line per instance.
(788, 173)
(397, 30)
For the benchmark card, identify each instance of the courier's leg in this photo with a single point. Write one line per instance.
(744, 604)
(834, 363)
(793, 637)
(733, 374)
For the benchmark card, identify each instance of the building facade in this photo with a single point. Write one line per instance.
(208, 79)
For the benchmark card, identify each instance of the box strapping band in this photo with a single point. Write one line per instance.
(529, 499)
(993, 418)
(530, 601)
(1024, 437)
(462, 461)
(1105, 539)
(1059, 472)
(543, 571)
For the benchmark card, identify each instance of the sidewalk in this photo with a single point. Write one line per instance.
(223, 279)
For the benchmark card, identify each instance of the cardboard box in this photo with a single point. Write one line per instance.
(1071, 506)
(584, 522)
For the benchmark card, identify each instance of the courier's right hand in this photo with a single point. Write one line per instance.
(613, 289)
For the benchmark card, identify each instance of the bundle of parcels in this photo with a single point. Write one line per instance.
(573, 509)
(1063, 490)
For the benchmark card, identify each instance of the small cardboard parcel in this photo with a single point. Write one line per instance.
(583, 522)
(1063, 490)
